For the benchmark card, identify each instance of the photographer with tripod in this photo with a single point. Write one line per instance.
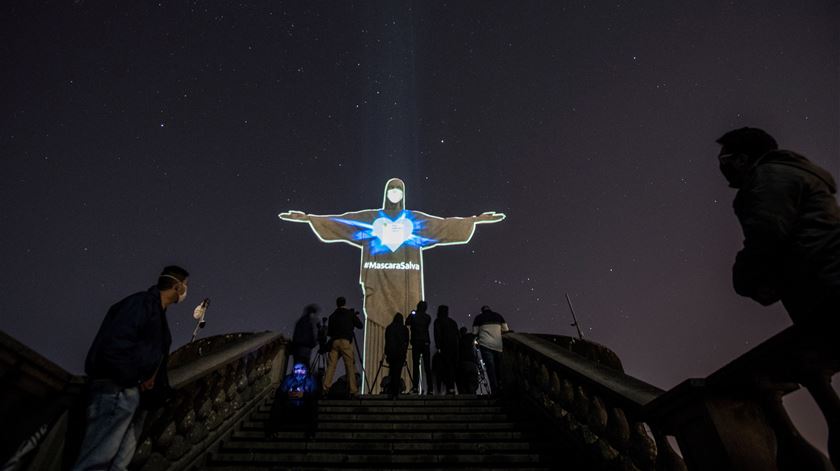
(342, 323)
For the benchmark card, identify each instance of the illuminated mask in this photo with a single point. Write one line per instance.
(395, 195)
(299, 370)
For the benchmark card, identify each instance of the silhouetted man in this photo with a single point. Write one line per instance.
(488, 327)
(446, 343)
(305, 336)
(127, 361)
(396, 349)
(788, 211)
(341, 326)
(419, 322)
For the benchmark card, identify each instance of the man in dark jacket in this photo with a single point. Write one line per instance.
(305, 336)
(341, 327)
(127, 361)
(791, 221)
(446, 343)
(419, 322)
(396, 347)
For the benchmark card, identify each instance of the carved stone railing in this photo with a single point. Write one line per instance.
(734, 419)
(34, 394)
(213, 391)
(580, 387)
(216, 381)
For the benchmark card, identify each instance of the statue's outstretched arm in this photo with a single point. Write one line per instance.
(294, 216)
(489, 217)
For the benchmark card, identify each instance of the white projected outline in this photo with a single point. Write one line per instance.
(491, 218)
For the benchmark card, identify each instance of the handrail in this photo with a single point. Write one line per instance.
(592, 405)
(212, 390)
(735, 419)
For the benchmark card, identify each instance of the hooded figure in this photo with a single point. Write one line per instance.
(446, 342)
(305, 335)
(396, 347)
(392, 240)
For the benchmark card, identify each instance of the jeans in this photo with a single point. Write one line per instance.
(113, 426)
(493, 365)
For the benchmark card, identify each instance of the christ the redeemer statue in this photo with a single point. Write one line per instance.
(392, 240)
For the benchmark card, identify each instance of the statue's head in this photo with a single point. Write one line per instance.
(394, 195)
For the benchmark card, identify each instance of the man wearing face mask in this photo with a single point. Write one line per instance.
(126, 363)
(791, 222)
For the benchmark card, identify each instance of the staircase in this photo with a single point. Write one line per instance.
(373, 432)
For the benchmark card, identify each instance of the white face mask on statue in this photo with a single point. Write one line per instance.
(395, 195)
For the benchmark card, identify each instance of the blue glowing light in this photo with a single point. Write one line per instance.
(386, 234)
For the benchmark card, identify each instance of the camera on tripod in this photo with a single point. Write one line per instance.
(323, 341)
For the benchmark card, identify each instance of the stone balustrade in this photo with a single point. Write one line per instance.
(734, 419)
(580, 387)
(215, 380)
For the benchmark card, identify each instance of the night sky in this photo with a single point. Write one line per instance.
(139, 134)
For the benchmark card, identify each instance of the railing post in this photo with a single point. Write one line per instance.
(819, 386)
(794, 453)
(716, 431)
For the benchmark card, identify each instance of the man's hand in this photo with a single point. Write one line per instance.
(149, 384)
(490, 216)
(295, 216)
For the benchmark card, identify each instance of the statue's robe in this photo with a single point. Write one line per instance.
(392, 244)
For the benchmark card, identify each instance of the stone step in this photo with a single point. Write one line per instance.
(407, 401)
(416, 426)
(349, 446)
(407, 409)
(285, 460)
(393, 435)
(405, 418)
(316, 467)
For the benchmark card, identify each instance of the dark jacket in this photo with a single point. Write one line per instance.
(791, 222)
(419, 324)
(132, 342)
(396, 338)
(306, 332)
(341, 324)
(446, 333)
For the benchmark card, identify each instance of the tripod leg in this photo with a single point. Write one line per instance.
(408, 370)
(361, 363)
(378, 370)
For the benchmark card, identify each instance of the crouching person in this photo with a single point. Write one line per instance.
(295, 403)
